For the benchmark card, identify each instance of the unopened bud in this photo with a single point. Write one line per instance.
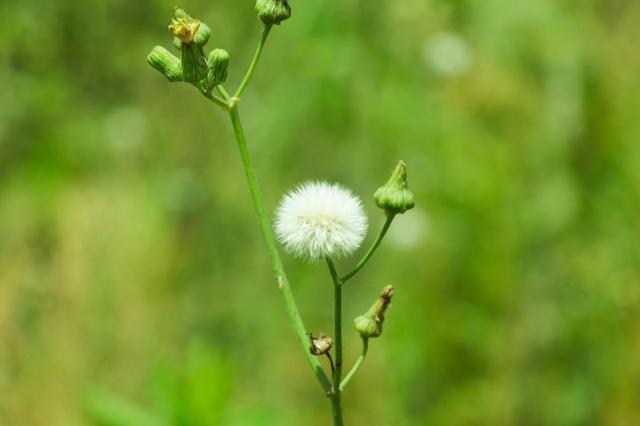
(370, 324)
(162, 60)
(394, 197)
(320, 345)
(203, 35)
(218, 60)
(273, 12)
(367, 326)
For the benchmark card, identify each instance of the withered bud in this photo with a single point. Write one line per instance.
(320, 345)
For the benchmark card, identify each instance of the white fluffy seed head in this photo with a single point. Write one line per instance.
(318, 219)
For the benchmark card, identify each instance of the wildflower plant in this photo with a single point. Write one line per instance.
(314, 221)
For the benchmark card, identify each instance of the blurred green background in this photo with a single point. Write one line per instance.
(134, 286)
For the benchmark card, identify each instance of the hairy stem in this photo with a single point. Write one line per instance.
(337, 373)
(371, 250)
(356, 366)
(256, 57)
(283, 282)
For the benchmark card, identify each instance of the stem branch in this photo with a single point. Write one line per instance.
(283, 282)
(372, 249)
(356, 366)
(220, 88)
(254, 62)
(215, 99)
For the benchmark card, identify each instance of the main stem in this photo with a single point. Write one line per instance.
(283, 282)
(336, 394)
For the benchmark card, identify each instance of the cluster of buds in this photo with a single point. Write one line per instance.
(394, 197)
(190, 37)
(370, 324)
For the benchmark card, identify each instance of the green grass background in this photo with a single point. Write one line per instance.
(134, 286)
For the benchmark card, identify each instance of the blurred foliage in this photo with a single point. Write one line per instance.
(134, 287)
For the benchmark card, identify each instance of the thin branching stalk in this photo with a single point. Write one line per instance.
(256, 58)
(283, 282)
(356, 366)
(371, 250)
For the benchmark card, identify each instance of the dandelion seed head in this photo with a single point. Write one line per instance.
(319, 219)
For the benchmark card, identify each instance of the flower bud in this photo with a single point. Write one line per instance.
(320, 345)
(190, 35)
(394, 197)
(194, 64)
(273, 12)
(162, 60)
(203, 35)
(218, 60)
(367, 326)
(370, 324)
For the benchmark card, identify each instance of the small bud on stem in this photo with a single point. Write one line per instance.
(162, 60)
(370, 324)
(394, 197)
(218, 60)
(273, 12)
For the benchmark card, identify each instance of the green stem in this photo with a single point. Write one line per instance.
(337, 373)
(356, 366)
(220, 88)
(372, 250)
(283, 282)
(254, 62)
(215, 99)
(336, 409)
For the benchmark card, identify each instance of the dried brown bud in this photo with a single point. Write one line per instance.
(320, 345)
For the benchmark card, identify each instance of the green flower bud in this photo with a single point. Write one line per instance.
(218, 60)
(394, 197)
(370, 324)
(162, 60)
(203, 35)
(194, 64)
(320, 345)
(273, 12)
(367, 326)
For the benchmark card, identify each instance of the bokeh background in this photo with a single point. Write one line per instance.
(134, 286)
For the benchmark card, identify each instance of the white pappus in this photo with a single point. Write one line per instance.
(319, 219)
